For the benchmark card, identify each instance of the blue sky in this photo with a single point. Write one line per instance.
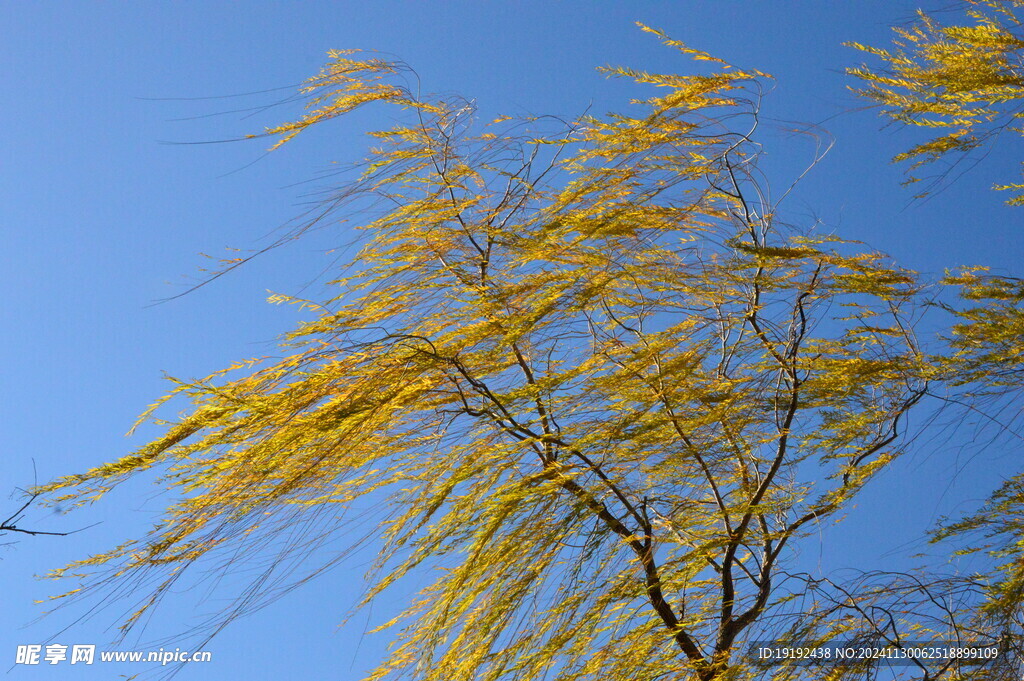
(108, 203)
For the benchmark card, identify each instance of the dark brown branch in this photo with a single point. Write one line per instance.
(11, 523)
(643, 547)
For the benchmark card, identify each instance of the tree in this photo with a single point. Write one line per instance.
(967, 79)
(582, 370)
(964, 81)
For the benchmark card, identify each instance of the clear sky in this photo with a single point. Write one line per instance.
(108, 204)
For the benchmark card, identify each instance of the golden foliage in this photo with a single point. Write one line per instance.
(964, 82)
(584, 378)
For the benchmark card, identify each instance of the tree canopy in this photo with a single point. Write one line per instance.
(965, 82)
(964, 77)
(590, 381)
